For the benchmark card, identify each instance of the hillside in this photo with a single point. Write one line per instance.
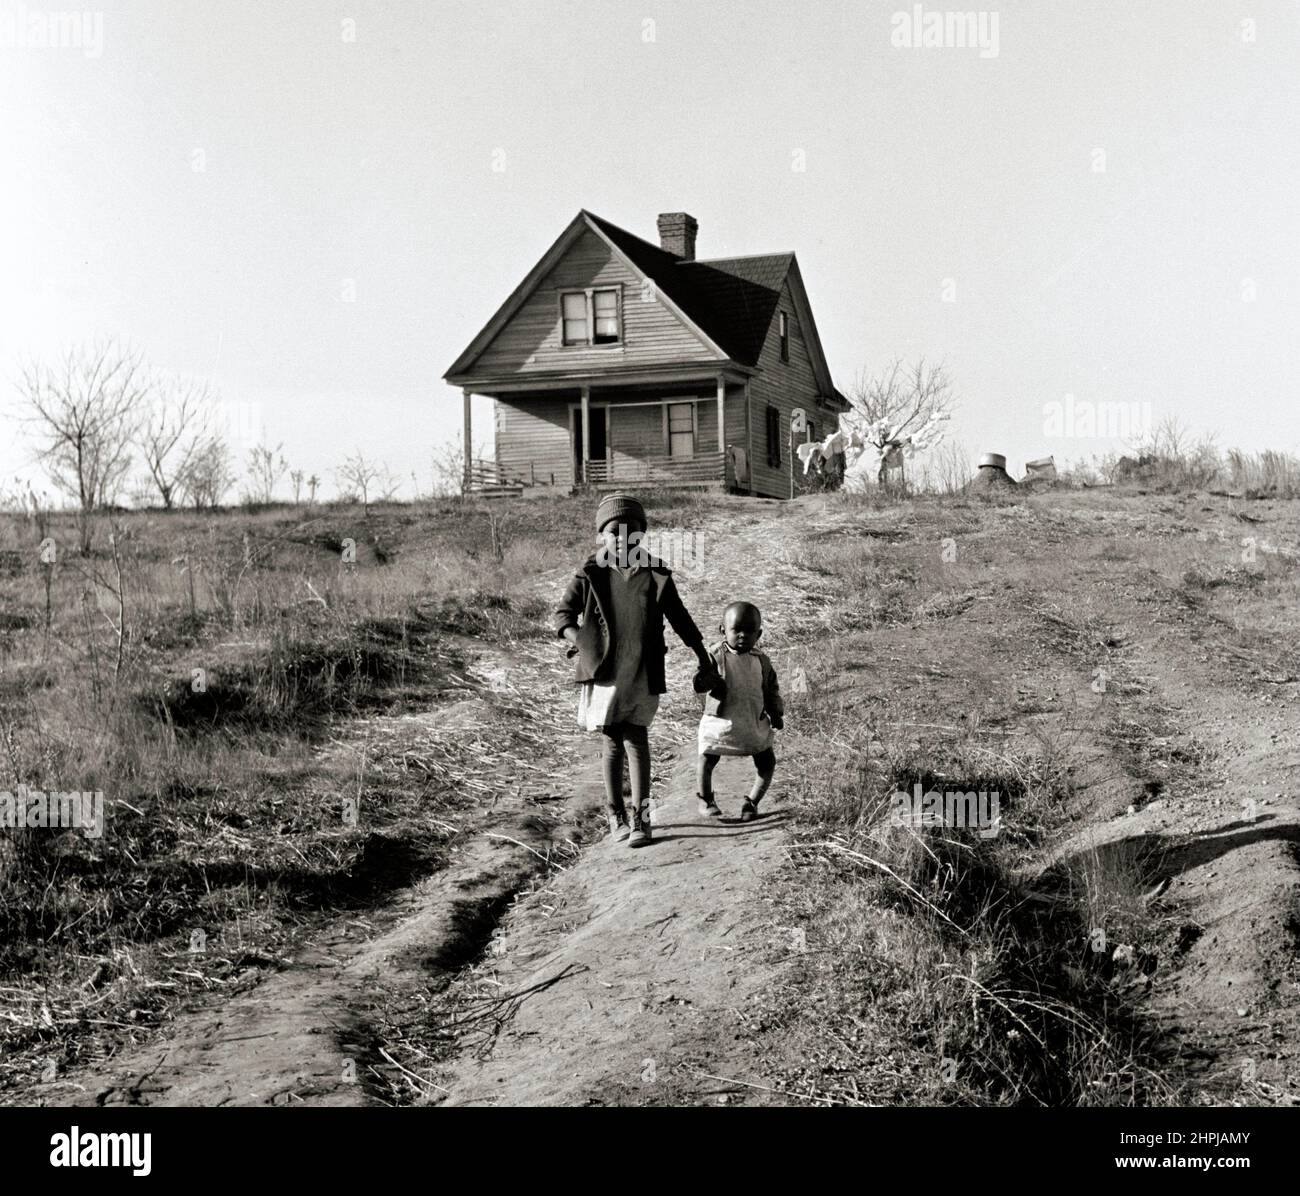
(381, 819)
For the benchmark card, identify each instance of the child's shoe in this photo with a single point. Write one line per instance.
(749, 811)
(708, 805)
(618, 827)
(640, 834)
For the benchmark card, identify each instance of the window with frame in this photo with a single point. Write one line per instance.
(604, 310)
(784, 328)
(773, 436)
(681, 429)
(590, 317)
(573, 308)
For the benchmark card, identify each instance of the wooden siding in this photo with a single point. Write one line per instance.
(784, 385)
(637, 430)
(536, 431)
(530, 342)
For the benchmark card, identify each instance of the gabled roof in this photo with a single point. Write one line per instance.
(732, 299)
(727, 302)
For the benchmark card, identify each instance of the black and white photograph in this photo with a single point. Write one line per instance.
(587, 553)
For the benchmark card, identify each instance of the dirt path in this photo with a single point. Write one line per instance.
(641, 966)
(644, 966)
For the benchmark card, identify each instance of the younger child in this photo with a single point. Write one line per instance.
(612, 614)
(741, 713)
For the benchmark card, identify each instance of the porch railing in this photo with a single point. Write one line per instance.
(488, 475)
(697, 468)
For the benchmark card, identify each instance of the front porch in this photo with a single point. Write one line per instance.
(671, 430)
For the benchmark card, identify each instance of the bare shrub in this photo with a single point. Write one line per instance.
(173, 434)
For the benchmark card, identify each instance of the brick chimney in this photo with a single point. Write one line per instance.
(677, 234)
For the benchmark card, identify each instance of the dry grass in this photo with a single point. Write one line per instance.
(948, 972)
(1174, 466)
(948, 968)
(945, 967)
(249, 692)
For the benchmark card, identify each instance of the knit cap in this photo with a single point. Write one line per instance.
(618, 508)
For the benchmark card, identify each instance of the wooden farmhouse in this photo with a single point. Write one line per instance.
(621, 363)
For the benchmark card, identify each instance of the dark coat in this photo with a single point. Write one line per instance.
(586, 605)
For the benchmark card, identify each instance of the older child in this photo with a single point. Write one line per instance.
(742, 711)
(612, 615)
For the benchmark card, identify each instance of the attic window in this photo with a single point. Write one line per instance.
(605, 309)
(785, 337)
(583, 311)
(574, 308)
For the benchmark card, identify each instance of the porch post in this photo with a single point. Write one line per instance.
(722, 424)
(586, 433)
(467, 441)
(749, 439)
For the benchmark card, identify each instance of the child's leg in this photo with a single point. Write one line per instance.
(612, 767)
(636, 739)
(704, 785)
(765, 765)
(704, 775)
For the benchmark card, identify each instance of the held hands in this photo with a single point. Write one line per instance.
(778, 723)
(707, 678)
(709, 681)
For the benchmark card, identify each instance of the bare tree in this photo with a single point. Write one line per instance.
(84, 411)
(313, 484)
(366, 478)
(265, 469)
(296, 477)
(208, 476)
(900, 407)
(448, 466)
(174, 433)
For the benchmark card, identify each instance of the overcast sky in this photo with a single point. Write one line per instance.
(1103, 202)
